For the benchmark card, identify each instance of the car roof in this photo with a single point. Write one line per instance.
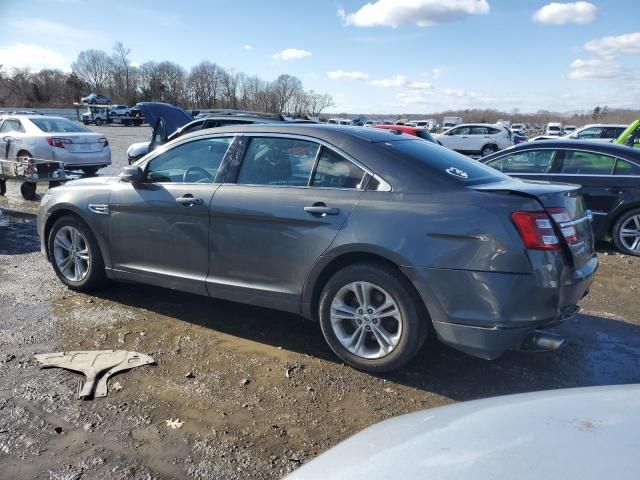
(598, 147)
(329, 133)
(494, 125)
(33, 115)
(615, 125)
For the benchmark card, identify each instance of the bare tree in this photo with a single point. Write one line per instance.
(94, 67)
(121, 72)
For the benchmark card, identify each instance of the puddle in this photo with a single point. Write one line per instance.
(18, 233)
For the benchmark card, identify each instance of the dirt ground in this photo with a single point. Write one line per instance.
(258, 390)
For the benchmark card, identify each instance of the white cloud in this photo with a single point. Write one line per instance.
(342, 75)
(248, 47)
(33, 56)
(424, 13)
(561, 13)
(291, 54)
(596, 69)
(397, 81)
(55, 32)
(420, 85)
(629, 43)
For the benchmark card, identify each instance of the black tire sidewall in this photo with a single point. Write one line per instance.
(414, 318)
(487, 147)
(96, 275)
(617, 226)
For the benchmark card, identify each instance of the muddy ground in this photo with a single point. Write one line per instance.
(258, 390)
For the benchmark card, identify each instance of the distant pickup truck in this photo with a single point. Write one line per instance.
(631, 136)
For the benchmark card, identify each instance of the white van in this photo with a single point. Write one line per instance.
(554, 129)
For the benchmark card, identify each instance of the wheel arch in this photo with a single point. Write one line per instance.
(327, 266)
(619, 213)
(72, 211)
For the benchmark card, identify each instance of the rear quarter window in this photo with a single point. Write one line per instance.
(626, 168)
(446, 163)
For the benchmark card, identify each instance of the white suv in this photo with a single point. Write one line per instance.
(476, 139)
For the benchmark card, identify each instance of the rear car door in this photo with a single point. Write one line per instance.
(279, 209)
(159, 228)
(11, 133)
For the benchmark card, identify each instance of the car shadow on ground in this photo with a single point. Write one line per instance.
(18, 233)
(600, 351)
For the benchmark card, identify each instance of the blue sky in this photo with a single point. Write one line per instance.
(384, 56)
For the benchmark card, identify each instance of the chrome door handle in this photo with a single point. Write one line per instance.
(321, 210)
(189, 201)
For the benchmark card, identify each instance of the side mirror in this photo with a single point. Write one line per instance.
(131, 174)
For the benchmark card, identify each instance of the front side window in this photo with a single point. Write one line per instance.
(335, 171)
(460, 131)
(530, 161)
(594, 132)
(587, 163)
(193, 162)
(278, 161)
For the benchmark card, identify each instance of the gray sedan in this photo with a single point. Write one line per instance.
(383, 239)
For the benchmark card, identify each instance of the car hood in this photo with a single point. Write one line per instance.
(586, 433)
(89, 181)
(174, 117)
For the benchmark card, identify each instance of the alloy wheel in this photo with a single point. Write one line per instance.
(71, 253)
(366, 320)
(630, 233)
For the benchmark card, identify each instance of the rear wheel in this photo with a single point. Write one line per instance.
(75, 255)
(370, 317)
(488, 150)
(98, 122)
(626, 232)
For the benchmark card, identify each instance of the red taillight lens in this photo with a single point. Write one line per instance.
(561, 215)
(536, 230)
(58, 142)
(103, 141)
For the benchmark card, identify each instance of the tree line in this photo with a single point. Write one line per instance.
(207, 85)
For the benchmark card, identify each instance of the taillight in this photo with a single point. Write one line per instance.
(103, 141)
(58, 142)
(536, 230)
(561, 215)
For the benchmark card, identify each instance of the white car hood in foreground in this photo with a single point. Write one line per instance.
(583, 433)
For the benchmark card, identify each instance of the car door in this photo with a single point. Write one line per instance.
(478, 138)
(159, 228)
(457, 138)
(276, 213)
(602, 189)
(11, 138)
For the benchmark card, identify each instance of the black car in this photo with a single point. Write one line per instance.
(609, 175)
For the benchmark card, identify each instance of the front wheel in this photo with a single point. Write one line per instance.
(371, 318)
(626, 232)
(75, 255)
(98, 122)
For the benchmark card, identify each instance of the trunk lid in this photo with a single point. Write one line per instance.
(82, 142)
(564, 205)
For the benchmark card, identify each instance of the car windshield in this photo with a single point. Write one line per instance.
(446, 163)
(58, 125)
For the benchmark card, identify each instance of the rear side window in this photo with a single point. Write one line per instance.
(530, 161)
(593, 132)
(626, 168)
(587, 163)
(12, 125)
(335, 171)
(479, 131)
(278, 161)
(446, 163)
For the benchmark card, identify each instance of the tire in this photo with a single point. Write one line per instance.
(626, 232)
(90, 171)
(54, 184)
(98, 122)
(108, 102)
(3, 187)
(93, 102)
(407, 330)
(28, 190)
(90, 275)
(488, 150)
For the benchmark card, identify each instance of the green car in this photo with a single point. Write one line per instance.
(631, 136)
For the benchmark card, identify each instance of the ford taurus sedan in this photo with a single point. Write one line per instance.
(382, 238)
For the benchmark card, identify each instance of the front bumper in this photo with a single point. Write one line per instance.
(487, 313)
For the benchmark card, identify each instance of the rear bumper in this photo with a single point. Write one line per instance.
(487, 313)
(89, 159)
